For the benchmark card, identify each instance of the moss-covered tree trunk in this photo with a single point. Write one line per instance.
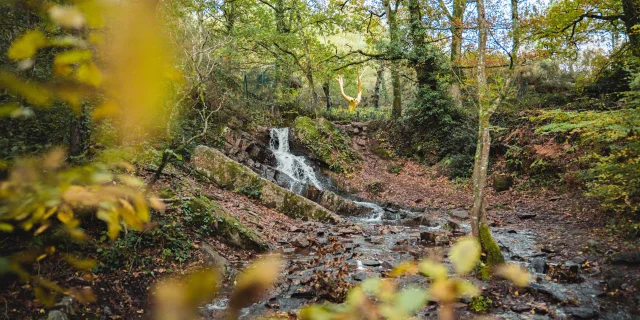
(479, 224)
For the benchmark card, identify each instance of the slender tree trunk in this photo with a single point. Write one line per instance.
(515, 34)
(479, 224)
(75, 136)
(327, 94)
(396, 111)
(456, 50)
(376, 89)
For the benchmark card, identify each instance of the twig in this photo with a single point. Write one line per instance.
(171, 200)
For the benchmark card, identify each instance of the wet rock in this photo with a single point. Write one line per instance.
(342, 206)
(581, 313)
(57, 315)
(520, 308)
(312, 193)
(376, 240)
(614, 284)
(300, 241)
(539, 265)
(288, 250)
(551, 290)
(626, 257)
(435, 237)
(361, 276)
(572, 266)
(452, 225)
(526, 215)
(460, 214)
(416, 209)
(392, 210)
(419, 220)
(214, 259)
(371, 263)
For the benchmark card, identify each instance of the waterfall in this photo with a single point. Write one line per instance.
(297, 170)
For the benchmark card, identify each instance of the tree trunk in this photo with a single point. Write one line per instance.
(479, 224)
(376, 89)
(327, 94)
(456, 50)
(631, 11)
(75, 136)
(515, 34)
(395, 48)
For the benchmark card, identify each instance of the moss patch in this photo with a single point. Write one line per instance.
(326, 143)
(490, 247)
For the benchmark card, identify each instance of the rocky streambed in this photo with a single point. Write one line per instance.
(324, 259)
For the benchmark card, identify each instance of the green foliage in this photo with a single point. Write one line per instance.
(613, 149)
(395, 168)
(326, 143)
(251, 191)
(480, 304)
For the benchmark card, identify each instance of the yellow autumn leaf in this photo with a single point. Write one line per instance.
(67, 16)
(254, 281)
(432, 269)
(404, 268)
(516, 273)
(33, 93)
(105, 110)
(89, 73)
(79, 263)
(5, 227)
(27, 45)
(72, 57)
(178, 299)
(65, 216)
(465, 255)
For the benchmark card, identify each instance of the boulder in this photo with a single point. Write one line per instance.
(539, 265)
(234, 176)
(57, 315)
(214, 259)
(502, 182)
(460, 214)
(342, 206)
(218, 222)
(626, 257)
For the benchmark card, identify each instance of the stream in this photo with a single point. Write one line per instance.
(371, 246)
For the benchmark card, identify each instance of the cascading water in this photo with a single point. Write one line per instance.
(297, 170)
(377, 212)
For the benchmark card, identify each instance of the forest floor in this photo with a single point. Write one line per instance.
(557, 230)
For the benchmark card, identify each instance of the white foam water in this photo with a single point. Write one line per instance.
(376, 211)
(295, 167)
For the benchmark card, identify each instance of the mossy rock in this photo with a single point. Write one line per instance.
(493, 254)
(326, 143)
(218, 222)
(234, 176)
(502, 182)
